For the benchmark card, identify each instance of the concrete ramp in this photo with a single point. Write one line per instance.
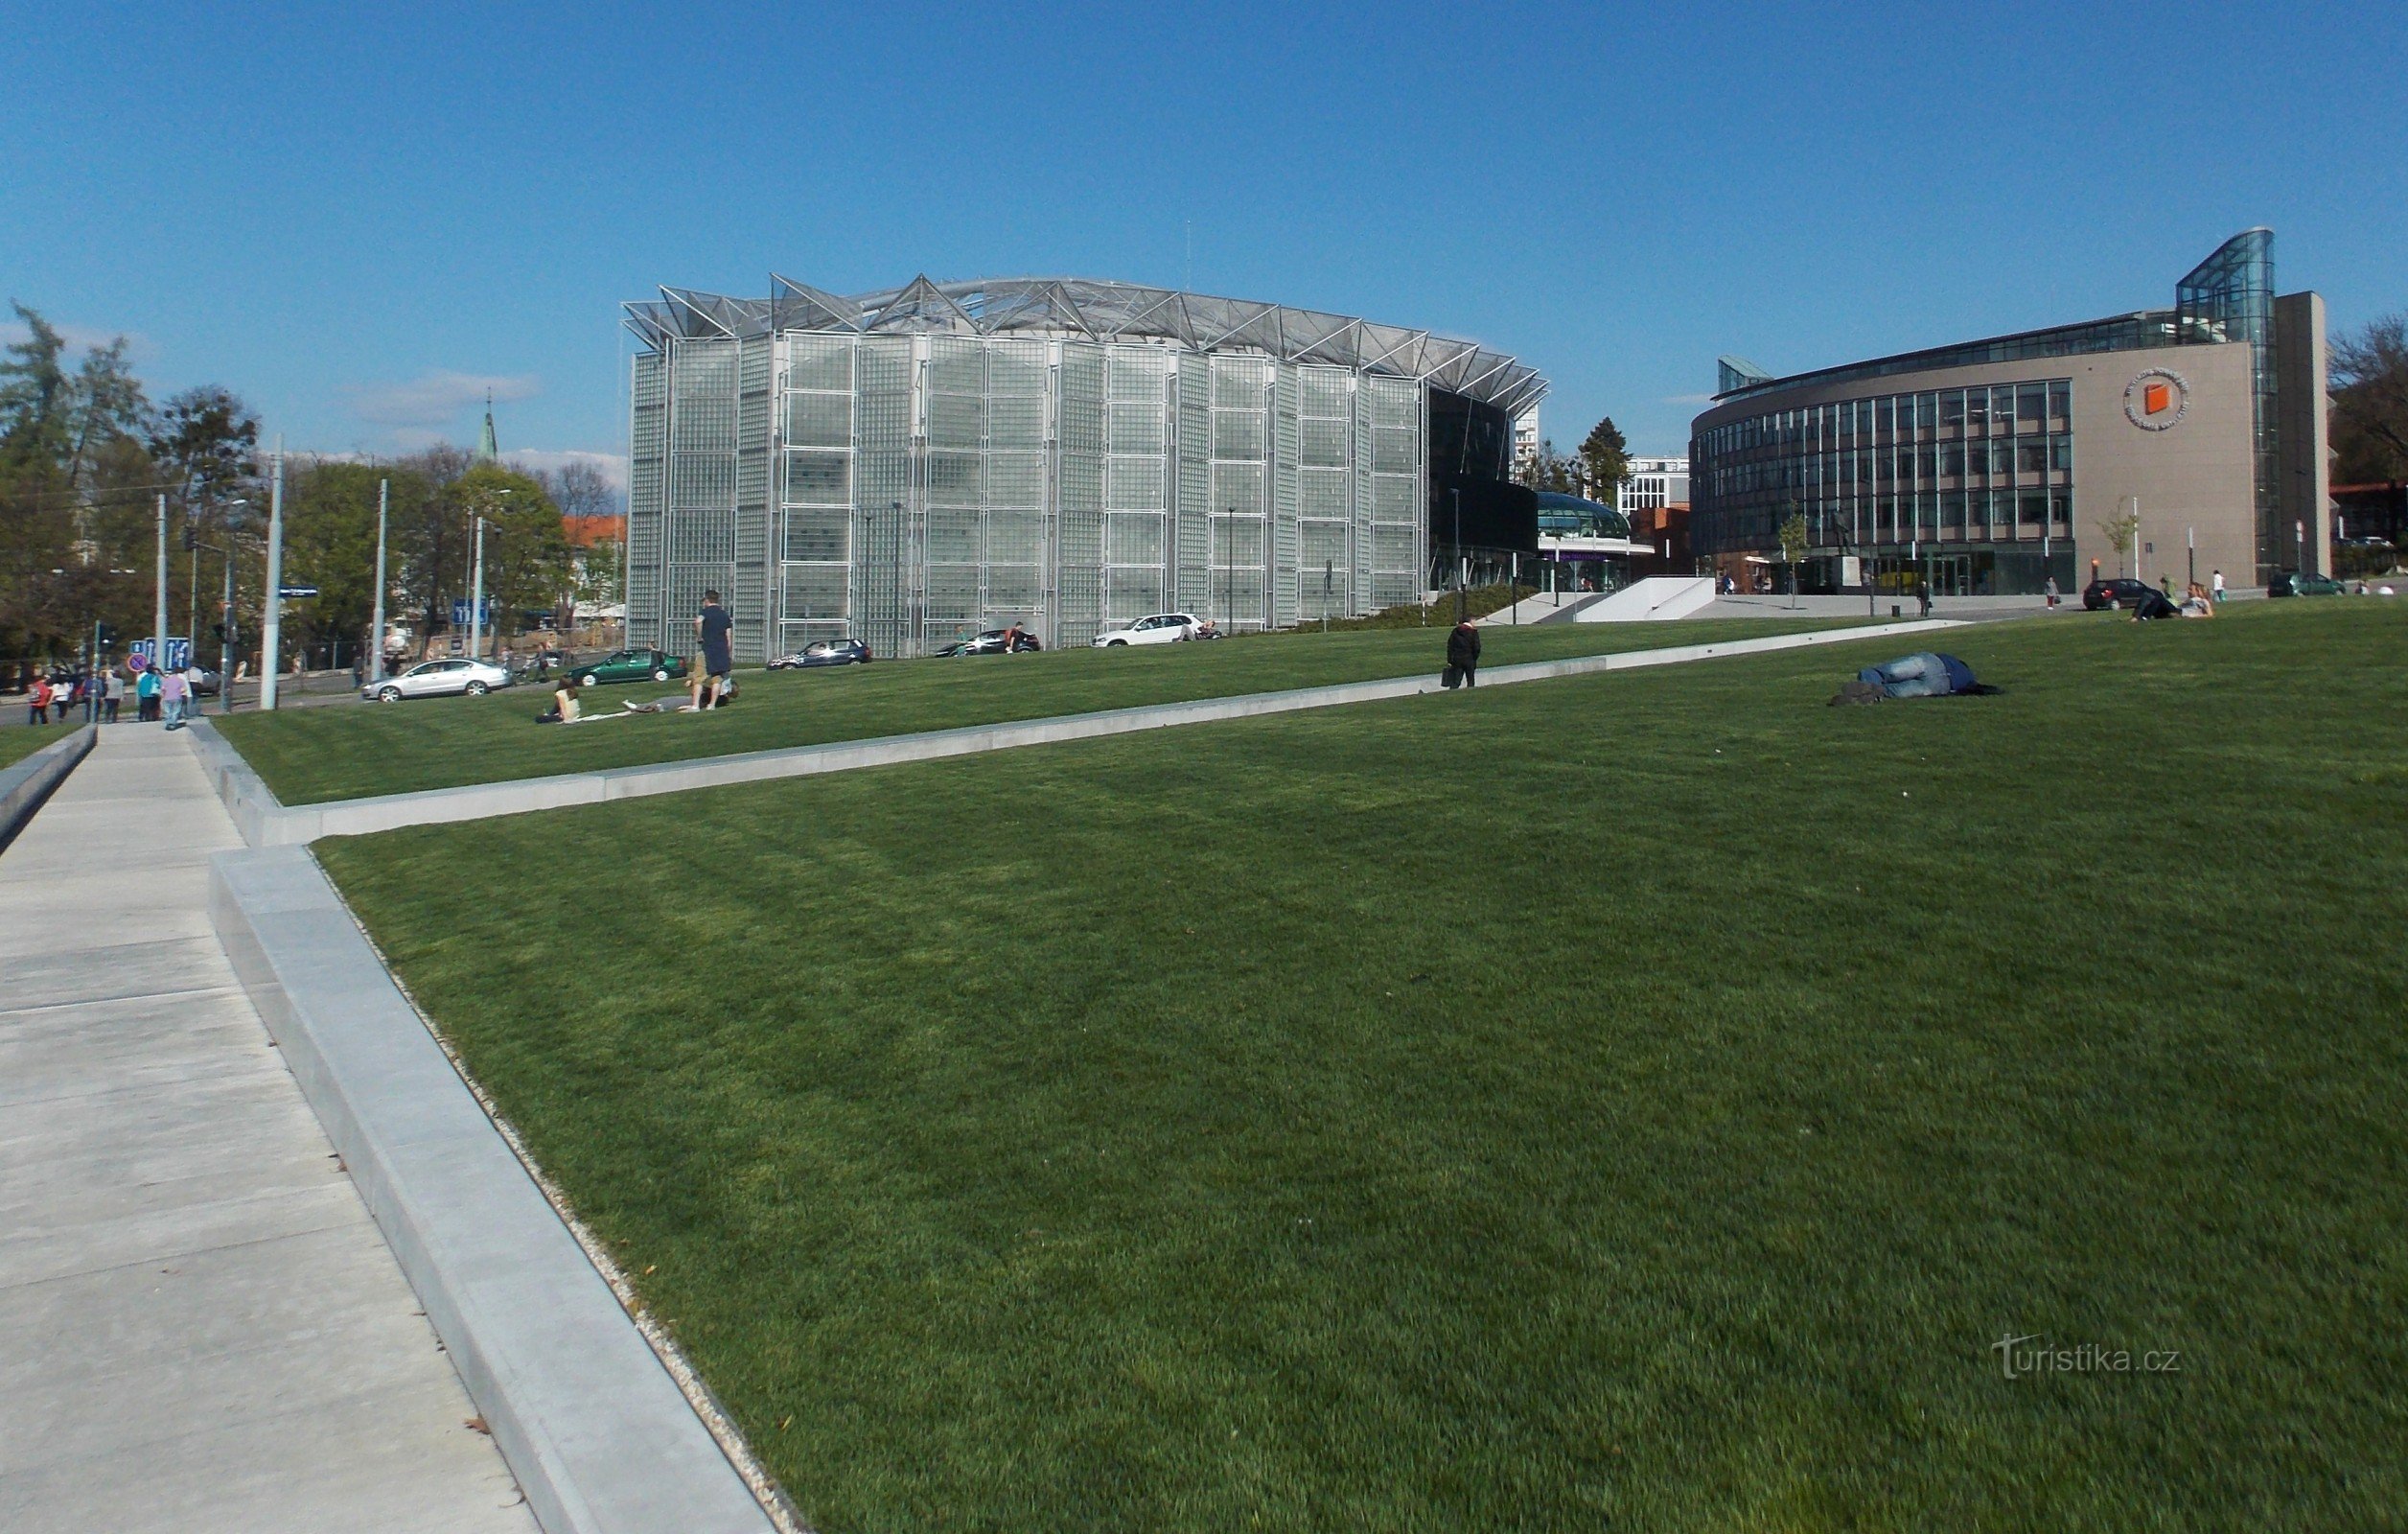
(1560, 607)
(1655, 599)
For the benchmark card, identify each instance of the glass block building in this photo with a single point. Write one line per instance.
(909, 466)
(1989, 466)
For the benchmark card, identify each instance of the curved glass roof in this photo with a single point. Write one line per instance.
(1089, 308)
(1559, 512)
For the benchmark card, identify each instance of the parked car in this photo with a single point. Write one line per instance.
(993, 642)
(825, 652)
(2293, 583)
(210, 683)
(629, 665)
(435, 679)
(1158, 628)
(2118, 593)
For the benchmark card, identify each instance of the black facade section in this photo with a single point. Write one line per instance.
(1473, 500)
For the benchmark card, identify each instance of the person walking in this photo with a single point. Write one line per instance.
(146, 694)
(1923, 595)
(1462, 653)
(115, 695)
(2215, 585)
(37, 702)
(174, 693)
(2052, 591)
(712, 627)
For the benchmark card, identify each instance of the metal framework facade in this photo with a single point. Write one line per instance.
(911, 466)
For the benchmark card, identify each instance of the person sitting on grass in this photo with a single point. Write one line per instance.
(564, 707)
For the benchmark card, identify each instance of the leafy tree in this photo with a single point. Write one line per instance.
(2122, 531)
(528, 562)
(1793, 535)
(1547, 469)
(1604, 456)
(2370, 403)
(33, 395)
(329, 543)
(206, 441)
(108, 412)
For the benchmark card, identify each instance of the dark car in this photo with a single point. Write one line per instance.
(994, 641)
(629, 665)
(826, 652)
(2117, 594)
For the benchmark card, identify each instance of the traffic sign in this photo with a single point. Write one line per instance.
(295, 593)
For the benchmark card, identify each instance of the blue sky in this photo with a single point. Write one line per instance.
(359, 218)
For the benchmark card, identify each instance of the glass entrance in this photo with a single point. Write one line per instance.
(1952, 576)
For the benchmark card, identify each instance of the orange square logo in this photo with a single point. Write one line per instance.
(2156, 397)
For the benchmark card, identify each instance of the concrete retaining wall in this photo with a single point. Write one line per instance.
(26, 784)
(264, 823)
(597, 1431)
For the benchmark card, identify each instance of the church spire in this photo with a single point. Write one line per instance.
(488, 449)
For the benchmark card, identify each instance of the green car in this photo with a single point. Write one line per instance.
(2314, 585)
(629, 665)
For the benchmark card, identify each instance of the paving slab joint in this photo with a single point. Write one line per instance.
(25, 786)
(599, 1430)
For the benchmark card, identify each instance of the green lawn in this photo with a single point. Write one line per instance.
(308, 756)
(20, 741)
(1631, 1102)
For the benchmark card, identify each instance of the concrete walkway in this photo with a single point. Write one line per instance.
(204, 1328)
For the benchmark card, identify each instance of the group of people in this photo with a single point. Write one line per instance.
(708, 684)
(160, 695)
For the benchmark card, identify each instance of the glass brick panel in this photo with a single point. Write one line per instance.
(956, 479)
(1324, 443)
(818, 420)
(1015, 479)
(1237, 434)
(1236, 487)
(1133, 538)
(817, 535)
(1136, 426)
(957, 421)
(819, 362)
(1016, 422)
(820, 478)
(1133, 485)
(953, 537)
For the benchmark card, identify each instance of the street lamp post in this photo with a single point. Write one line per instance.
(271, 622)
(158, 614)
(1461, 597)
(376, 624)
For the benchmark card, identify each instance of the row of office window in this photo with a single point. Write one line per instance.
(1967, 463)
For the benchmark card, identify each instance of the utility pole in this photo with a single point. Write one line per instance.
(158, 612)
(271, 600)
(225, 633)
(376, 624)
(477, 595)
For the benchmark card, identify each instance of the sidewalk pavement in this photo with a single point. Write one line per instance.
(205, 1330)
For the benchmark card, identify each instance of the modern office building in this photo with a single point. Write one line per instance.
(1990, 465)
(901, 467)
(1653, 484)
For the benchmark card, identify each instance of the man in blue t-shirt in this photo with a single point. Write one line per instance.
(711, 626)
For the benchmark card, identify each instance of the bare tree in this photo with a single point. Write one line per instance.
(2370, 405)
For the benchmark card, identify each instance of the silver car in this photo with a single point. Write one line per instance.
(435, 679)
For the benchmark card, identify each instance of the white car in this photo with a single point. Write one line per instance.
(1160, 628)
(435, 679)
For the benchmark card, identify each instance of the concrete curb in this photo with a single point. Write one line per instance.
(264, 823)
(586, 1415)
(26, 785)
